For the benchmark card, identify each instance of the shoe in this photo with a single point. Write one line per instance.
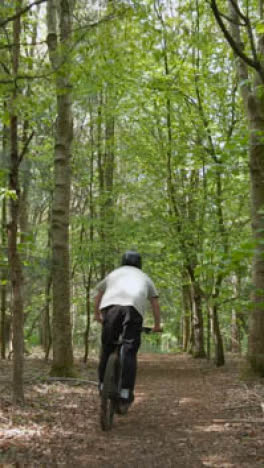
(122, 406)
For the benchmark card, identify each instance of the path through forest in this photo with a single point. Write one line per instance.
(186, 414)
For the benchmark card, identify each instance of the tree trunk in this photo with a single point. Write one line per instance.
(87, 282)
(62, 340)
(46, 332)
(46, 328)
(186, 319)
(254, 101)
(88, 316)
(235, 321)
(4, 269)
(106, 176)
(3, 286)
(209, 332)
(235, 333)
(14, 259)
(218, 342)
(109, 182)
(100, 166)
(256, 323)
(198, 330)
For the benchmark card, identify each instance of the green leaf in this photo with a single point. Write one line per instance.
(260, 28)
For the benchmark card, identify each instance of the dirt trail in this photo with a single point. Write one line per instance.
(186, 414)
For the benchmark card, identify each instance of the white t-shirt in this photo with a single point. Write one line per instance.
(127, 286)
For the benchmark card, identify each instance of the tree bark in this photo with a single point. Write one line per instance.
(256, 323)
(3, 285)
(186, 318)
(254, 101)
(218, 341)
(235, 333)
(14, 259)
(209, 328)
(62, 364)
(106, 177)
(235, 321)
(88, 281)
(88, 316)
(100, 165)
(198, 329)
(109, 180)
(4, 273)
(46, 326)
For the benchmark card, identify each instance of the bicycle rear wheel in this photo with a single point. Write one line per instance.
(110, 392)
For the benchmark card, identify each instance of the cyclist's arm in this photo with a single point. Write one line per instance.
(156, 313)
(97, 301)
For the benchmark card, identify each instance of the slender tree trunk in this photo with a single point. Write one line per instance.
(197, 337)
(88, 315)
(62, 340)
(109, 181)
(14, 260)
(46, 326)
(208, 340)
(3, 316)
(106, 177)
(198, 329)
(46, 332)
(87, 281)
(235, 333)
(235, 325)
(186, 319)
(219, 348)
(100, 166)
(4, 274)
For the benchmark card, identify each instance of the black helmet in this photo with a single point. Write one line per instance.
(132, 258)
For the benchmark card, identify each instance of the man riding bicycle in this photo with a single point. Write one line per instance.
(120, 303)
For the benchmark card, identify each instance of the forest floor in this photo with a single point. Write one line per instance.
(186, 414)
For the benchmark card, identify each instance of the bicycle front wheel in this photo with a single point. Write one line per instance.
(110, 392)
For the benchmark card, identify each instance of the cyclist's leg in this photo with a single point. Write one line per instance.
(131, 331)
(111, 329)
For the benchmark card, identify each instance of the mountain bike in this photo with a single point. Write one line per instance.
(111, 402)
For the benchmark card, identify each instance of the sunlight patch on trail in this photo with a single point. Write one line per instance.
(140, 397)
(210, 428)
(189, 401)
(215, 461)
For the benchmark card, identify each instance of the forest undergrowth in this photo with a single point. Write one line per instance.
(186, 414)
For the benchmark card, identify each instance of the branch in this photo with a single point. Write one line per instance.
(86, 29)
(226, 17)
(248, 26)
(26, 145)
(5, 68)
(20, 12)
(239, 12)
(235, 46)
(20, 44)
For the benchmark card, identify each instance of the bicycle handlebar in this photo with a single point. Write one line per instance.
(147, 330)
